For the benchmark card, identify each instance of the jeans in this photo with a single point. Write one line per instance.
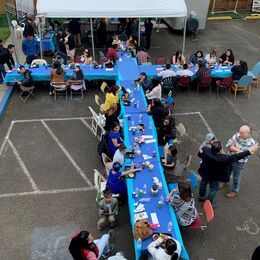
(237, 168)
(2, 73)
(102, 244)
(213, 189)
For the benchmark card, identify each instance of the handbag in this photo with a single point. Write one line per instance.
(142, 229)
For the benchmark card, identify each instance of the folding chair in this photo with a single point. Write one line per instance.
(39, 62)
(98, 100)
(255, 73)
(107, 163)
(76, 88)
(168, 83)
(26, 90)
(59, 88)
(180, 133)
(18, 30)
(103, 87)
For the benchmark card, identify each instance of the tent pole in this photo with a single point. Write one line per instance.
(139, 32)
(92, 39)
(184, 35)
(40, 35)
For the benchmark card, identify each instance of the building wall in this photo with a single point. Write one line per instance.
(226, 5)
(2, 9)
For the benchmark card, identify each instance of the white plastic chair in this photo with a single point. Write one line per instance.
(39, 62)
(107, 163)
(76, 88)
(18, 30)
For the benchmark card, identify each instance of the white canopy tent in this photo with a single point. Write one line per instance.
(114, 8)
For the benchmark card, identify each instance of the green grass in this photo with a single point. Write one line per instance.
(238, 15)
(4, 29)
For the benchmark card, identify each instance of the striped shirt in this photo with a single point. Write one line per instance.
(242, 144)
(185, 210)
(142, 57)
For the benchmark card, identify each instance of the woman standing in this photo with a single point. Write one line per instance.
(70, 45)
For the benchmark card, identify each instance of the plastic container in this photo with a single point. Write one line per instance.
(139, 243)
(170, 226)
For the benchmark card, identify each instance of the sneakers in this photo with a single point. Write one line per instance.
(231, 194)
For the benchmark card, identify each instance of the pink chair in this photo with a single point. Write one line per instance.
(204, 83)
(224, 84)
(160, 60)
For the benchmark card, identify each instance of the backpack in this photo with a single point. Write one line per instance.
(103, 145)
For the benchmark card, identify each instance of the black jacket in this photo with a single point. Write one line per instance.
(217, 167)
(28, 29)
(238, 72)
(74, 26)
(71, 42)
(165, 133)
(6, 57)
(158, 113)
(28, 80)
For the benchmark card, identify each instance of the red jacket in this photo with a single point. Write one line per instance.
(112, 54)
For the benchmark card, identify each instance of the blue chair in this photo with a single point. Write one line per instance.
(255, 72)
(172, 186)
(244, 84)
(193, 180)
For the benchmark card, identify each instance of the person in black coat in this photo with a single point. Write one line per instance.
(29, 26)
(6, 57)
(74, 28)
(166, 131)
(158, 112)
(148, 25)
(239, 70)
(216, 167)
(27, 81)
(111, 116)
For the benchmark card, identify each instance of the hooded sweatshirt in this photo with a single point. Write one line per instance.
(207, 141)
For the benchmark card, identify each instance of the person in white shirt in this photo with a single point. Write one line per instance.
(185, 71)
(168, 72)
(211, 58)
(156, 92)
(172, 249)
(119, 155)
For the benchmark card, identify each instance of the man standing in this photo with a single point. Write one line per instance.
(30, 48)
(6, 57)
(215, 167)
(148, 25)
(74, 28)
(239, 142)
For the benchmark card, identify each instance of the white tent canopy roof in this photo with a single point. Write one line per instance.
(112, 8)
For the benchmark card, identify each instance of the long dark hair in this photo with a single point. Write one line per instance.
(79, 73)
(58, 68)
(231, 56)
(185, 191)
(113, 89)
(80, 242)
(177, 53)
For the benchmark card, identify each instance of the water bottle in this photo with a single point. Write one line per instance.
(130, 148)
(137, 104)
(170, 226)
(162, 199)
(137, 192)
(132, 165)
(138, 87)
(140, 118)
(139, 243)
(133, 123)
(150, 125)
(145, 189)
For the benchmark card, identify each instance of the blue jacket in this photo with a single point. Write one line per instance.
(30, 48)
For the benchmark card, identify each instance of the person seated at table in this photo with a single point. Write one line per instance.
(31, 48)
(185, 71)
(227, 58)
(167, 130)
(239, 70)
(119, 155)
(83, 245)
(197, 57)
(145, 82)
(155, 92)
(131, 42)
(165, 248)
(183, 204)
(77, 75)
(110, 63)
(86, 58)
(6, 57)
(60, 57)
(115, 182)
(178, 59)
(203, 71)
(27, 81)
(111, 53)
(169, 162)
(70, 45)
(142, 56)
(114, 138)
(211, 58)
(112, 96)
(111, 116)
(57, 75)
(158, 112)
(107, 210)
(168, 72)
(56, 26)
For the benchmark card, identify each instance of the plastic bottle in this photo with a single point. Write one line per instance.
(137, 104)
(133, 123)
(150, 125)
(140, 118)
(145, 189)
(162, 199)
(137, 192)
(132, 165)
(139, 243)
(170, 226)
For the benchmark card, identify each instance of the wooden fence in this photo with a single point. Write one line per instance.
(226, 5)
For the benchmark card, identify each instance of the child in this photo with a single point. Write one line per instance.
(107, 209)
(210, 138)
(171, 158)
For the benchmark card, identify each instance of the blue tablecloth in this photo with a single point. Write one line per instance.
(217, 72)
(48, 44)
(43, 73)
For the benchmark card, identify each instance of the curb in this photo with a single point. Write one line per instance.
(252, 17)
(5, 100)
(219, 18)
